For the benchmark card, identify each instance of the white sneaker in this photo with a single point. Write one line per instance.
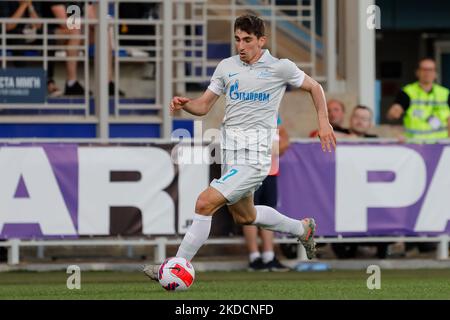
(307, 239)
(151, 271)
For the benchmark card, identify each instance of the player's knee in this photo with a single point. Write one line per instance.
(203, 207)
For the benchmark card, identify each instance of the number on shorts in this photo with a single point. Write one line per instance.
(231, 173)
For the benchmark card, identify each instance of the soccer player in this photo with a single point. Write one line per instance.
(253, 82)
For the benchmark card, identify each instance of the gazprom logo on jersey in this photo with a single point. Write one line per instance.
(247, 96)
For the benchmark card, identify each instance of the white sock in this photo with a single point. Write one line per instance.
(268, 256)
(253, 256)
(70, 83)
(194, 238)
(270, 219)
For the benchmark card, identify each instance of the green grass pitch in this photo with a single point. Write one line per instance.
(395, 284)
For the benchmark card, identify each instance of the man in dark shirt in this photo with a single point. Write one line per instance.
(20, 10)
(17, 10)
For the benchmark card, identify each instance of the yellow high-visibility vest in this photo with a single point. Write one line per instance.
(428, 113)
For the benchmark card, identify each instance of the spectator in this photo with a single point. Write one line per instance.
(267, 195)
(58, 10)
(361, 122)
(18, 10)
(336, 116)
(424, 105)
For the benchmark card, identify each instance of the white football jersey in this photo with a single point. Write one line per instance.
(253, 94)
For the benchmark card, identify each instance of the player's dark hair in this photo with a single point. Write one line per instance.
(250, 24)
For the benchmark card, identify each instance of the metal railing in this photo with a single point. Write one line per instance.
(41, 51)
(161, 243)
(41, 55)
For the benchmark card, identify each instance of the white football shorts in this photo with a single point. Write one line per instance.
(240, 178)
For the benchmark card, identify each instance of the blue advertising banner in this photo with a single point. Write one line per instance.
(23, 85)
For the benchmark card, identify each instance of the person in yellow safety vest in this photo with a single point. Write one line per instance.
(424, 105)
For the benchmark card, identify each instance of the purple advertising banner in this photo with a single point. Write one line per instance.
(60, 159)
(69, 190)
(368, 189)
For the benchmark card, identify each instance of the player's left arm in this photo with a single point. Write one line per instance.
(326, 133)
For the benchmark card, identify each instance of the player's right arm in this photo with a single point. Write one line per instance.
(202, 105)
(198, 107)
(326, 133)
